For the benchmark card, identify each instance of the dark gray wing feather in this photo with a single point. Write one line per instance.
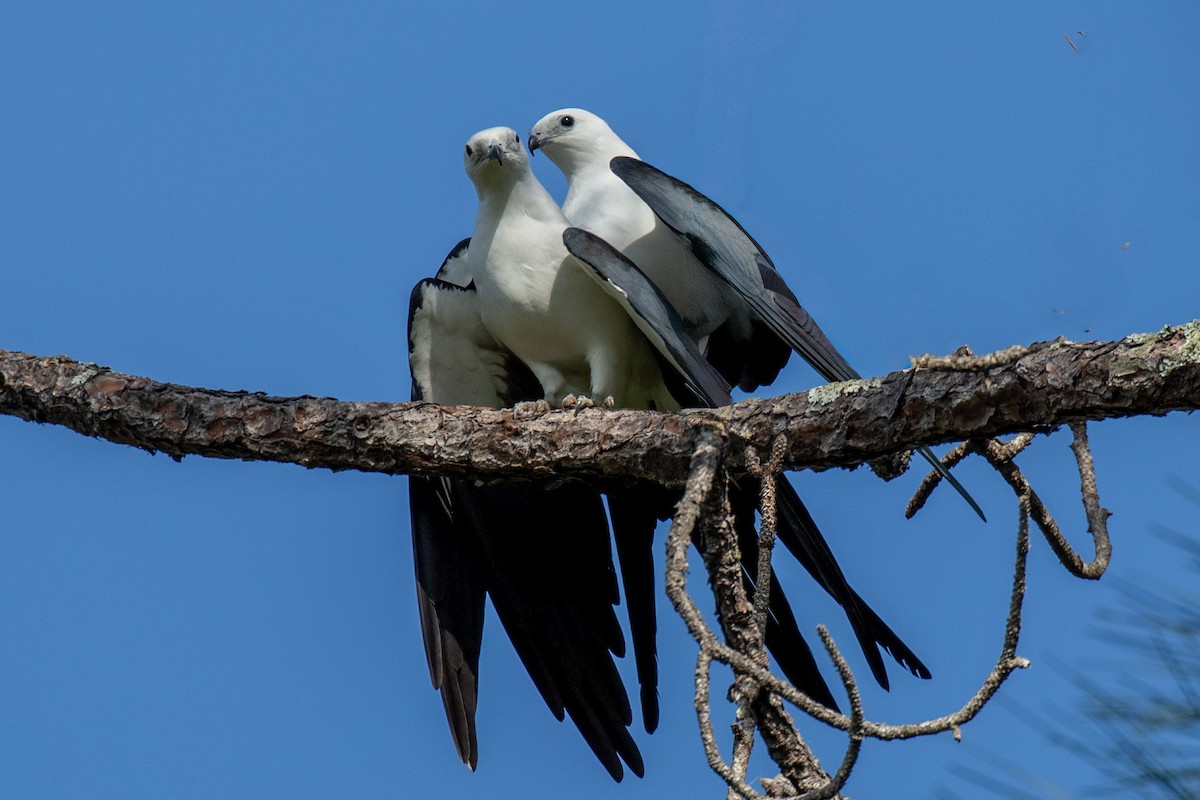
(783, 638)
(449, 574)
(551, 578)
(450, 599)
(542, 553)
(635, 512)
(800, 535)
(651, 312)
(720, 243)
(658, 319)
(747, 362)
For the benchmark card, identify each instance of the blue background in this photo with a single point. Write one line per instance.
(240, 195)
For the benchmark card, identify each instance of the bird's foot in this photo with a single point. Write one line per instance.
(530, 409)
(577, 402)
(609, 402)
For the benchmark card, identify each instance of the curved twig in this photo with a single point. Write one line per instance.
(999, 457)
(745, 689)
(1097, 516)
(697, 494)
(854, 747)
(1006, 664)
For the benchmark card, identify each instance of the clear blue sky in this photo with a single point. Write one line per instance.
(240, 195)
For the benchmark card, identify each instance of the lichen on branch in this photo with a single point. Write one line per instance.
(940, 399)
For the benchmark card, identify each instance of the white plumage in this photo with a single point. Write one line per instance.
(532, 306)
(537, 300)
(581, 144)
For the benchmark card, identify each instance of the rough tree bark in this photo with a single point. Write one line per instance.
(960, 397)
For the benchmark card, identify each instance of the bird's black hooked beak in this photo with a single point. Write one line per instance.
(534, 143)
(496, 152)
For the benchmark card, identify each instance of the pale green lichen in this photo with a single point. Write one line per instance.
(1143, 338)
(1188, 351)
(829, 392)
(84, 376)
(1142, 346)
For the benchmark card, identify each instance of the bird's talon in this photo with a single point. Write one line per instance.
(530, 409)
(569, 401)
(609, 402)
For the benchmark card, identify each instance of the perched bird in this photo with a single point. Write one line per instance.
(543, 306)
(484, 336)
(734, 302)
(654, 314)
(743, 342)
(581, 144)
(536, 301)
(514, 309)
(542, 553)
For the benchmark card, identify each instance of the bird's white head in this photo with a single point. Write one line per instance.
(494, 155)
(573, 138)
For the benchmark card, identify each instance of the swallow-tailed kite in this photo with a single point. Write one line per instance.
(512, 317)
(727, 290)
(542, 553)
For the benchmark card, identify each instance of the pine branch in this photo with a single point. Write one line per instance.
(941, 399)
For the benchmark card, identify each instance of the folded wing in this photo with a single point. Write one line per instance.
(542, 553)
(723, 245)
(797, 530)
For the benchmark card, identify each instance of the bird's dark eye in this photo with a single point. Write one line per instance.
(567, 121)
(517, 138)
(468, 151)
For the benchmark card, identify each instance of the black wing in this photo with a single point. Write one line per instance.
(541, 553)
(450, 594)
(635, 512)
(550, 575)
(651, 312)
(802, 538)
(719, 242)
(797, 530)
